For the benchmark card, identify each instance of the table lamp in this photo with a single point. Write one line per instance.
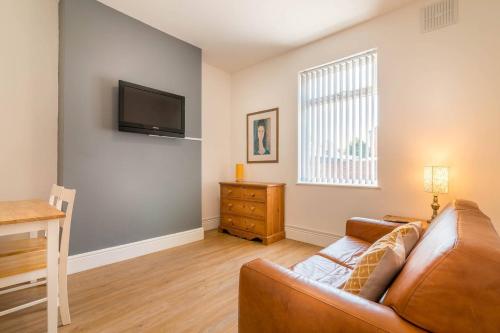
(435, 182)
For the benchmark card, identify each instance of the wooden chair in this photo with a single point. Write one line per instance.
(23, 261)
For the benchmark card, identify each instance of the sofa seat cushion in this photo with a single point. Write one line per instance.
(346, 251)
(321, 269)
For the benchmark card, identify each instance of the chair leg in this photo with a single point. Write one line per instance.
(63, 300)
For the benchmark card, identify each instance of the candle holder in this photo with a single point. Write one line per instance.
(239, 172)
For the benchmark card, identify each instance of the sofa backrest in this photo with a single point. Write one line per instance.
(451, 280)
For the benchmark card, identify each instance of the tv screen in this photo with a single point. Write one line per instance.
(150, 111)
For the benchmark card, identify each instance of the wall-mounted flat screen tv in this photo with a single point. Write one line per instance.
(150, 111)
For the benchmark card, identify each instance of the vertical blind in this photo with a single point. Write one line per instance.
(338, 121)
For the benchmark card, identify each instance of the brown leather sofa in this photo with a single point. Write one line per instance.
(450, 283)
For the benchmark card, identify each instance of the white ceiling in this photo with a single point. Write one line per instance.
(235, 34)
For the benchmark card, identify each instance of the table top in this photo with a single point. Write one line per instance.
(401, 219)
(246, 183)
(12, 212)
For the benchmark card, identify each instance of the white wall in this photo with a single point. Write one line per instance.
(28, 98)
(439, 104)
(216, 124)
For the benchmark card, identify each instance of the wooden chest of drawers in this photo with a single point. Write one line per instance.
(253, 210)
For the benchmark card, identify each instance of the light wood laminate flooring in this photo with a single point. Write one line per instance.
(190, 288)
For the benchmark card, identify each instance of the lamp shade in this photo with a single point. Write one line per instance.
(436, 179)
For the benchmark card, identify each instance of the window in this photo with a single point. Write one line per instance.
(338, 120)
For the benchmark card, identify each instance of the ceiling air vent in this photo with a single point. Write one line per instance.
(439, 14)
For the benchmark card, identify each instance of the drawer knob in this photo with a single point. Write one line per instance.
(229, 220)
(250, 226)
(253, 195)
(252, 208)
(230, 191)
(230, 205)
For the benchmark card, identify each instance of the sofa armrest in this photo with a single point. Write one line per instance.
(368, 230)
(275, 299)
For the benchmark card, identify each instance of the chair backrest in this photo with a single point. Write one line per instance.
(451, 280)
(58, 196)
(55, 193)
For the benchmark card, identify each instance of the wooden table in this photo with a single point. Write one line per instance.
(31, 216)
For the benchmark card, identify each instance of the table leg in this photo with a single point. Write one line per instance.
(52, 274)
(34, 234)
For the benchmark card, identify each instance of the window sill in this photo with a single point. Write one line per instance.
(358, 186)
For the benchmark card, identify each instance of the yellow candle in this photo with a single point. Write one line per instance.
(239, 172)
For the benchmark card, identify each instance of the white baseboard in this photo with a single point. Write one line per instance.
(316, 237)
(210, 223)
(93, 259)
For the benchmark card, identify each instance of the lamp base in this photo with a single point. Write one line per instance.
(435, 207)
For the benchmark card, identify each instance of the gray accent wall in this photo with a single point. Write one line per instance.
(130, 187)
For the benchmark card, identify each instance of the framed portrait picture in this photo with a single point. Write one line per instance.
(262, 136)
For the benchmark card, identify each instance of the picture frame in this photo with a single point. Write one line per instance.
(263, 136)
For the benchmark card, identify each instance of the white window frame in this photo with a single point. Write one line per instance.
(348, 97)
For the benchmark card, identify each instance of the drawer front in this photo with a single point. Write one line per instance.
(231, 192)
(255, 194)
(245, 208)
(244, 223)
